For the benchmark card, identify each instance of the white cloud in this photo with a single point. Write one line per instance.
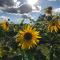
(17, 4)
(4, 17)
(36, 8)
(56, 11)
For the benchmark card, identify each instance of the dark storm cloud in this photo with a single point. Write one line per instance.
(10, 2)
(25, 8)
(6, 2)
(9, 6)
(22, 1)
(10, 10)
(25, 16)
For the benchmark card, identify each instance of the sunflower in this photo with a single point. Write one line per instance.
(53, 26)
(5, 25)
(28, 37)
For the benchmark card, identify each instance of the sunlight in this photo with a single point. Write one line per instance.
(32, 2)
(15, 0)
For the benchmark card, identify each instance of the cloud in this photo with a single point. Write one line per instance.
(4, 18)
(10, 10)
(26, 16)
(17, 6)
(9, 6)
(57, 10)
(25, 8)
(36, 8)
(9, 3)
(6, 3)
(22, 1)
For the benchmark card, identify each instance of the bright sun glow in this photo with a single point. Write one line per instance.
(32, 2)
(15, 0)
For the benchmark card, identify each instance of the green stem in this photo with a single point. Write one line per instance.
(51, 53)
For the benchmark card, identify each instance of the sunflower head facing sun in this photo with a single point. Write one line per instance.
(28, 37)
(5, 26)
(54, 26)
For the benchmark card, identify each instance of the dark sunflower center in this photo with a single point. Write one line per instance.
(53, 24)
(28, 36)
(7, 24)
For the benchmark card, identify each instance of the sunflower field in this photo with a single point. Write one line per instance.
(37, 41)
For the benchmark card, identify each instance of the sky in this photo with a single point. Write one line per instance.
(15, 10)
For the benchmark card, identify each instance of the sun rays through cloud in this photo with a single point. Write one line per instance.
(32, 2)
